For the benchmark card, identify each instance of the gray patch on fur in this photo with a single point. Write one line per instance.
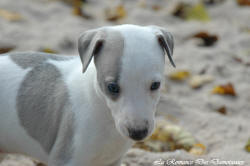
(41, 101)
(64, 149)
(108, 60)
(32, 59)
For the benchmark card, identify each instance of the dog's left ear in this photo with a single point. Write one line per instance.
(166, 40)
(90, 44)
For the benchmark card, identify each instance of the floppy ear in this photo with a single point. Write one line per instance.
(89, 44)
(166, 40)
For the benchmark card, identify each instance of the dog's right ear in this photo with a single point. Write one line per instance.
(89, 44)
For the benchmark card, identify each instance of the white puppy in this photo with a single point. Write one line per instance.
(87, 111)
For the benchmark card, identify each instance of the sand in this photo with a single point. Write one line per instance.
(51, 24)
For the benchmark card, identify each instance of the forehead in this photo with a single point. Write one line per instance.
(143, 57)
(129, 50)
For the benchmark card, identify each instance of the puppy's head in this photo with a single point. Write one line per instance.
(130, 62)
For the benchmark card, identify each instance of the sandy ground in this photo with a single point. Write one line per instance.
(51, 25)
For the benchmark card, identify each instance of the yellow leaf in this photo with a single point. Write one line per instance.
(115, 14)
(167, 137)
(49, 50)
(198, 149)
(226, 89)
(10, 16)
(247, 147)
(179, 75)
(198, 12)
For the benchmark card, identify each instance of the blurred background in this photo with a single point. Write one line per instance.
(204, 111)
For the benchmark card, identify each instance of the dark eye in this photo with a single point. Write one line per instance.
(113, 88)
(155, 86)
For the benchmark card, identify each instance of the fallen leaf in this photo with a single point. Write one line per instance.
(167, 137)
(10, 16)
(179, 75)
(78, 11)
(49, 50)
(156, 7)
(198, 81)
(237, 59)
(222, 110)
(117, 13)
(191, 12)
(6, 49)
(227, 89)
(198, 149)
(198, 12)
(212, 2)
(142, 3)
(247, 146)
(208, 39)
(181, 10)
(243, 2)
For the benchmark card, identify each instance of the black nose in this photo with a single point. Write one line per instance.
(138, 134)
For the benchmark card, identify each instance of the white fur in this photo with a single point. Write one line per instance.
(100, 137)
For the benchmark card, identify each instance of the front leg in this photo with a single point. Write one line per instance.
(63, 150)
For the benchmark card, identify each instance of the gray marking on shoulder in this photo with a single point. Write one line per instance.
(108, 60)
(41, 101)
(32, 59)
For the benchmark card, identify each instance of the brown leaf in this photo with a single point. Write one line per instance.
(6, 49)
(117, 13)
(156, 7)
(181, 10)
(222, 110)
(208, 39)
(10, 16)
(227, 89)
(243, 2)
(78, 11)
(212, 2)
(237, 59)
(49, 50)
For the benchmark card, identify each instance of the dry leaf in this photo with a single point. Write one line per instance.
(198, 12)
(247, 147)
(237, 59)
(208, 39)
(6, 49)
(167, 137)
(179, 75)
(78, 11)
(227, 89)
(114, 14)
(156, 7)
(198, 149)
(49, 50)
(243, 2)
(222, 110)
(10, 16)
(181, 10)
(198, 81)
(212, 2)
